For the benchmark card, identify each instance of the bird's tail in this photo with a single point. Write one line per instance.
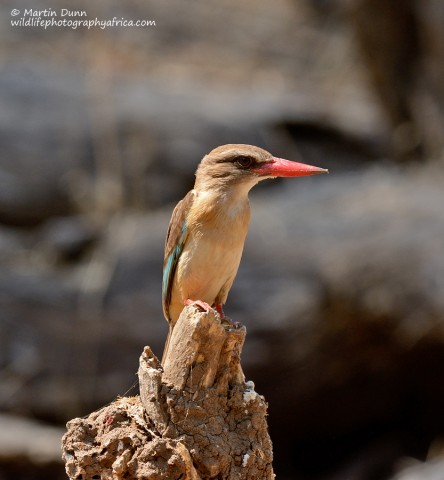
(167, 343)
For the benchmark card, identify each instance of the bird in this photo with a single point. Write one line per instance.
(208, 227)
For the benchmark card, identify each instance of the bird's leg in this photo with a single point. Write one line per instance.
(219, 309)
(199, 303)
(227, 322)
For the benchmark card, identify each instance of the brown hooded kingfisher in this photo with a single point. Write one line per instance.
(208, 227)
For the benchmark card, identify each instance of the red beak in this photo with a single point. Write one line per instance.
(278, 167)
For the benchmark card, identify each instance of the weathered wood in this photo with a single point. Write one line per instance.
(150, 385)
(200, 349)
(196, 418)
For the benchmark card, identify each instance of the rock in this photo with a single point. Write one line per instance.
(18, 440)
(67, 238)
(430, 470)
(29, 449)
(401, 45)
(80, 137)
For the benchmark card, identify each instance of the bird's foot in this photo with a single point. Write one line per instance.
(226, 322)
(199, 303)
(230, 326)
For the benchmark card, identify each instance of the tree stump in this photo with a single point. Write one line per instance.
(196, 418)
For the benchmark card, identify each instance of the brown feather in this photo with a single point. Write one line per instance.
(173, 238)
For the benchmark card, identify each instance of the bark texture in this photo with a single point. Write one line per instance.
(196, 418)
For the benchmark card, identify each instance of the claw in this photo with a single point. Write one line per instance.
(230, 326)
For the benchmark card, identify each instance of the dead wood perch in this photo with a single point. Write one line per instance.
(196, 418)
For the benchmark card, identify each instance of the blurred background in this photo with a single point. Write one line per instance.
(341, 287)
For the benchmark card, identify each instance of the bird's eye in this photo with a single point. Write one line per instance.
(243, 162)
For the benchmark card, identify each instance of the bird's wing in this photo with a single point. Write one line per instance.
(174, 243)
